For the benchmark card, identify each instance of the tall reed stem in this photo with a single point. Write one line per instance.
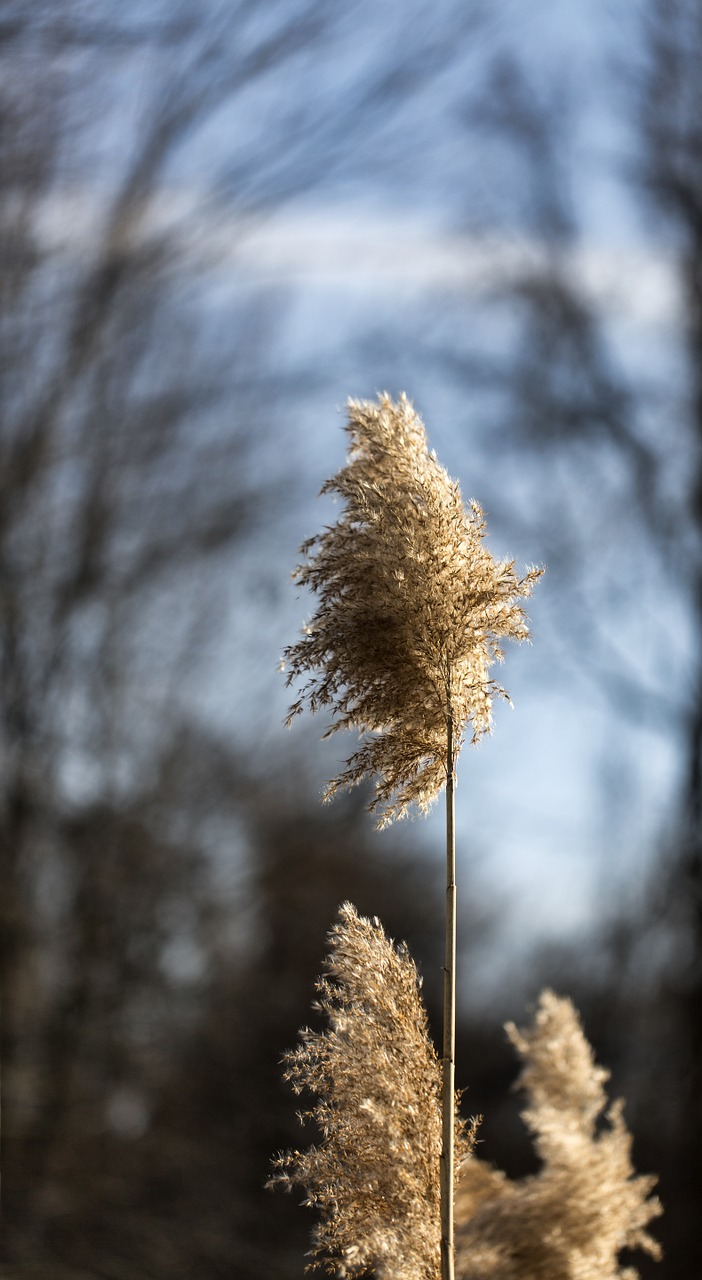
(449, 1045)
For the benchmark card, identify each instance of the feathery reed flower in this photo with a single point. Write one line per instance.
(375, 1175)
(412, 611)
(571, 1220)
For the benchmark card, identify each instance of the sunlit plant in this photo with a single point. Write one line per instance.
(412, 611)
(411, 615)
(376, 1079)
(372, 1177)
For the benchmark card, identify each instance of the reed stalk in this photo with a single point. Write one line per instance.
(448, 1061)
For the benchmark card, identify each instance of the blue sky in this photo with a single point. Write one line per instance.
(560, 813)
(362, 242)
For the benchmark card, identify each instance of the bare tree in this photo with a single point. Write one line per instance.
(131, 421)
(129, 425)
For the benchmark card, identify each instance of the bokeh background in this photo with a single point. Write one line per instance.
(219, 219)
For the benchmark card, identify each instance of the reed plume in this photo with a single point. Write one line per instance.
(377, 1082)
(412, 612)
(374, 1176)
(571, 1220)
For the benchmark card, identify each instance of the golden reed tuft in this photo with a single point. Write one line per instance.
(374, 1177)
(412, 611)
(572, 1219)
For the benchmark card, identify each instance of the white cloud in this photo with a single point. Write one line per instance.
(351, 249)
(359, 252)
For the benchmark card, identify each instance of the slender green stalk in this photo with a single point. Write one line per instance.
(449, 1045)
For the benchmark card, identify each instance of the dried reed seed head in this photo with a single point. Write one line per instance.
(586, 1205)
(374, 1177)
(411, 615)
